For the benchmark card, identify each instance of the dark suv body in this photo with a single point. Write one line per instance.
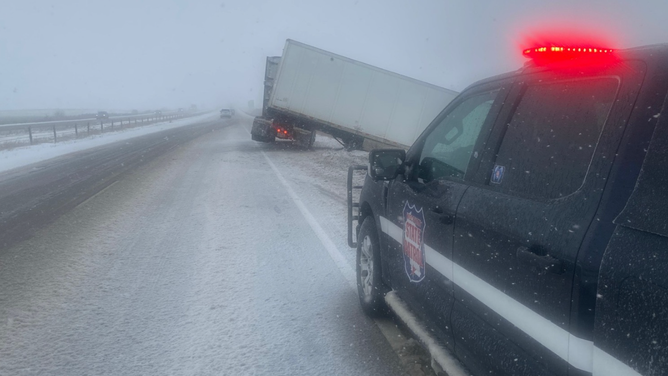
(527, 227)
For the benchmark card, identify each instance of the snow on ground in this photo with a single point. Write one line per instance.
(23, 156)
(198, 263)
(167, 273)
(319, 177)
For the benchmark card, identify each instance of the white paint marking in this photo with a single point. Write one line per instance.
(607, 365)
(576, 351)
(539, 328)
(334, 253)
(388, 329)
(98, 193)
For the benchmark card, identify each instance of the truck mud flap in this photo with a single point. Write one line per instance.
(262, 130)
(353, 204)
(304, 138)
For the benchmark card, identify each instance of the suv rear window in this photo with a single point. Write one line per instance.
(552, 135)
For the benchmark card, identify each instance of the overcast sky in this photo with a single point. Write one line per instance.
(126, 54)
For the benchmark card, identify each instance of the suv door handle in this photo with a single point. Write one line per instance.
(445, 218)
(545, 263)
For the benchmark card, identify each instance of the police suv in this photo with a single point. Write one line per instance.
(526, 230)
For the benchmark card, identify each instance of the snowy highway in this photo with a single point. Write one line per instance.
(190, 251)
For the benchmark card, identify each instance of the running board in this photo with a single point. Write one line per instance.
(439, 354)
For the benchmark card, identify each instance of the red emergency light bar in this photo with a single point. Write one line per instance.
(555, 51)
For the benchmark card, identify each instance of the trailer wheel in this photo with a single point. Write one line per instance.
(370, 286)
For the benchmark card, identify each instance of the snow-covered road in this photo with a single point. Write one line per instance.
(204, 261)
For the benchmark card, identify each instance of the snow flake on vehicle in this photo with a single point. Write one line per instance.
(413, 243)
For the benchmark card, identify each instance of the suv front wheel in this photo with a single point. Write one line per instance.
(370, 287)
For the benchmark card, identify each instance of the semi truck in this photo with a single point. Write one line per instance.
(308, 89)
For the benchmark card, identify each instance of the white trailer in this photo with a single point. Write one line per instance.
(353, 101)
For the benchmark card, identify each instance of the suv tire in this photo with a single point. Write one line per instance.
(370, 287)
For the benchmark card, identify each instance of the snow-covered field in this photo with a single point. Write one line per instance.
(43, 112)
(23, 156)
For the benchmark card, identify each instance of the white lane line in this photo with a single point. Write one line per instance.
(98, 193)
(389, 330)
(334, 252)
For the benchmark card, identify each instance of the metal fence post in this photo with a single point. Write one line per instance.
(88, 128)
(30, 134)
(54, 134)
(101, 127)
(76, 131)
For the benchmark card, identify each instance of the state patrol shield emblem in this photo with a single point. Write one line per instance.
(413, 244)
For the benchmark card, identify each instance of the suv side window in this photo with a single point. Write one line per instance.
(551, 137)
(447, 149)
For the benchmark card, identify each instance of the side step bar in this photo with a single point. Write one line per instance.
(439, 355)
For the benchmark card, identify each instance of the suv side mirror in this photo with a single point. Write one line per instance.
(384, 164)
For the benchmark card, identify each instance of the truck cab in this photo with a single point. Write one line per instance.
(526, 227)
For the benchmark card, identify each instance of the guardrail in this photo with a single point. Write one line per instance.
(29, 134)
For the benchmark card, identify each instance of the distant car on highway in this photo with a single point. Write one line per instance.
(225, 113)
(101, 115)
(158, 113)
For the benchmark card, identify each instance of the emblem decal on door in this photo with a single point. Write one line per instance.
(497, 174)
(413, 243)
